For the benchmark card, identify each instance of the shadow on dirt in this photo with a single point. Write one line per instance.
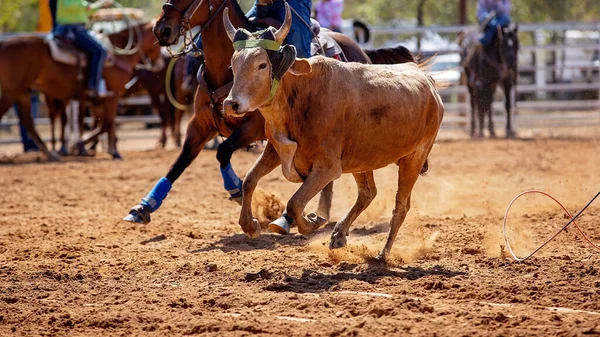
(266, 241)
(241, 242)
(312, 281)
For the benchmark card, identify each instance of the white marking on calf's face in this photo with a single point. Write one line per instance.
(251, 79)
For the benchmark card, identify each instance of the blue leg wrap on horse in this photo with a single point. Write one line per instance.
(155, 198)
(231, 182)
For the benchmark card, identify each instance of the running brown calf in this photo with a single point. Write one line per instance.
(324, 118)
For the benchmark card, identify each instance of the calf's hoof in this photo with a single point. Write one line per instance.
(138, 214)
(254, 231)
(317, 221)
(310, 223)
(381, 257)
(281, 225)
(338, 240)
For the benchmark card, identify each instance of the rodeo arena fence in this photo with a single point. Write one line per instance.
(558, 77)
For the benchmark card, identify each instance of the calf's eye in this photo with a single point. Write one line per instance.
(262, 66)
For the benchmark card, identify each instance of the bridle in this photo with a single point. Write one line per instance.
(185, 29)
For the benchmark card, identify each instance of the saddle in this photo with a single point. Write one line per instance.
(63, 51)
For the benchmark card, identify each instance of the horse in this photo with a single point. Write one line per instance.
(215, 81)
(154, 82)
(30, 62)
(485, 70)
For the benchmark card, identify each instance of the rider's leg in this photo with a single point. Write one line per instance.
(300, 34)
(489, 32)
(84, 41)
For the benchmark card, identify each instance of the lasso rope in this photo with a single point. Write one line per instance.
(571, 221)
(168, 90)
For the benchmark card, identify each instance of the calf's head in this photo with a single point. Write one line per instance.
(258, 64)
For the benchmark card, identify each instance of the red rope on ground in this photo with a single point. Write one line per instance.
(571, 217)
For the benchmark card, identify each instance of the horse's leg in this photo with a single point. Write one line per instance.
(100, 126)
(62, 108)
(52, 112)
(164, 118)
(474, 114)
(508, 96)
(266, 162)
(250, 131)
(481, 111)
(366, 193)
(321, 174)
(199, 131)
(490, 111)
(24, 111)
(110, 111)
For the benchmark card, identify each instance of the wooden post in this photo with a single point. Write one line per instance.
(462, 12)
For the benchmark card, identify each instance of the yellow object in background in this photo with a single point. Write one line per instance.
(45, 21)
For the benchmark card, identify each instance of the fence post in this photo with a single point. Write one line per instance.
(540, 64)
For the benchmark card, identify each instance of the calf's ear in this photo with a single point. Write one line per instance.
(300, 67)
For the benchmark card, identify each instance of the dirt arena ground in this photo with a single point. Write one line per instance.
(70, 266)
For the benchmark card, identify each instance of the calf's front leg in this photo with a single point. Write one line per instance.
(320, 175)
(267, 161)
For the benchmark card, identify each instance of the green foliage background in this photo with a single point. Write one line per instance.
(21, 15)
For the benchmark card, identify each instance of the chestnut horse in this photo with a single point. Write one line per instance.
(178, 16)
(26, 62)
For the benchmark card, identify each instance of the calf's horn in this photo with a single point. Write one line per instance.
(283, 31)
(228, 26)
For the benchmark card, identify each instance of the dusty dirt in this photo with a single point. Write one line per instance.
(70, 266)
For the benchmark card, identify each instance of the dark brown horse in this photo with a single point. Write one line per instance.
(178, 16)
(26, 62)
(485, 70)
(154, 82)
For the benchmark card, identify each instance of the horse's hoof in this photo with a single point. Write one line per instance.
(82, 151)
(117, 156)
(53, 156)
(255, 233)
(238, 200)
(338, 240)
(281, 225)
(511, 134)
(138, 214)
(63, 151)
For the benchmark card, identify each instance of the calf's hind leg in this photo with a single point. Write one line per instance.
(409, 169)
(366, 193)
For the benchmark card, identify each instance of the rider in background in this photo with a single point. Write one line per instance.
(71, 18)
(502, 18)
(329, 14)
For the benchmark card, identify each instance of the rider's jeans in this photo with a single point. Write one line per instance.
(85, 42)
(489, 33)
(300, 34)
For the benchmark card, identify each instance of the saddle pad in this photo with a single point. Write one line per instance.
(329, 45)
(66, 54)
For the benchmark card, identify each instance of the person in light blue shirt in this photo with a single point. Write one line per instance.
(502, 18)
